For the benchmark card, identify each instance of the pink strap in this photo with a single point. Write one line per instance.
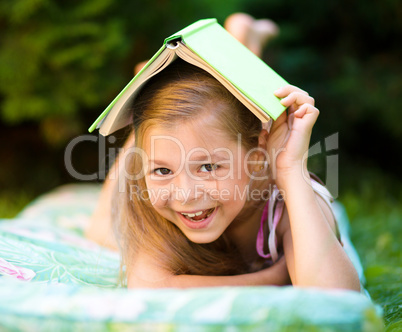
(260, 235)
(273, 212)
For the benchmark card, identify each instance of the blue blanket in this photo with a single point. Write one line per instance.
(74, 284)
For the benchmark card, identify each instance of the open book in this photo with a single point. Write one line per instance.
(208, 45)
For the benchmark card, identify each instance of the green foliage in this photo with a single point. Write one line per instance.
(376, 232)
(68, 59)
(347, 55)
(50, 56)
(60, 58)
(12, 202)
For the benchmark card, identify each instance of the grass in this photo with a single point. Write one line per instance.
(375, 215)
(13, 201)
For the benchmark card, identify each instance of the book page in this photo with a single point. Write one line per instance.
(119, 116)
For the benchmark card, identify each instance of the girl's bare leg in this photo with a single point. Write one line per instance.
(100, 227)
(139, 66)
(252, 33)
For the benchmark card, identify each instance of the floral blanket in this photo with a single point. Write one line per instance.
(53, 279)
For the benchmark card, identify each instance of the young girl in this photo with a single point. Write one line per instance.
(211, 198)
(206, 186)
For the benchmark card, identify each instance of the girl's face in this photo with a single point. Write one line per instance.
(196, 178)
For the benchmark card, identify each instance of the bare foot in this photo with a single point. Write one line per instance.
(252, 33)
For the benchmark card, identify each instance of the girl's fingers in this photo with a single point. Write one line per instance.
(297, 98)
(287, 90)
(306, 109)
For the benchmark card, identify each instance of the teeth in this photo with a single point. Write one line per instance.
(191, 215)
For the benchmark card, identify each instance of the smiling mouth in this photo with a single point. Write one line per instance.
(198, 216)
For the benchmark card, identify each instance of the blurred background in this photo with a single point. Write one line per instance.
(62, 62)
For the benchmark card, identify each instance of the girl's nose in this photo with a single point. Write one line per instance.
(186, 188)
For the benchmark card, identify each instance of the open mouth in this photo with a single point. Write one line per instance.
(198, 216)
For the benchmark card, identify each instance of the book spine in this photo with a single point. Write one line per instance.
(194, 28)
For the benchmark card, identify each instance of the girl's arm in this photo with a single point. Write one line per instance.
(146, 273)
(313, 253)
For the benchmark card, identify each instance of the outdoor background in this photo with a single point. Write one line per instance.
(62, 62)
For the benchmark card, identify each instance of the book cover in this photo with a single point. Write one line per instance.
(208, 45)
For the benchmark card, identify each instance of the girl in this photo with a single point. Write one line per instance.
(211, 197)
(206, 185)
(252, 33)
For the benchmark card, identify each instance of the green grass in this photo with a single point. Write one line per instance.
(13, 201)
(375, 214)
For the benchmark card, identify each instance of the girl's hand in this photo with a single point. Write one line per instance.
(289, 139)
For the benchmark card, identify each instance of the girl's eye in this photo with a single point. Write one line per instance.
(208, 167)
(162, 171)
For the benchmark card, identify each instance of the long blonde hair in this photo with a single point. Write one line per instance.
(181, 92)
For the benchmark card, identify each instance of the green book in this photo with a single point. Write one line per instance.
(208, 45)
